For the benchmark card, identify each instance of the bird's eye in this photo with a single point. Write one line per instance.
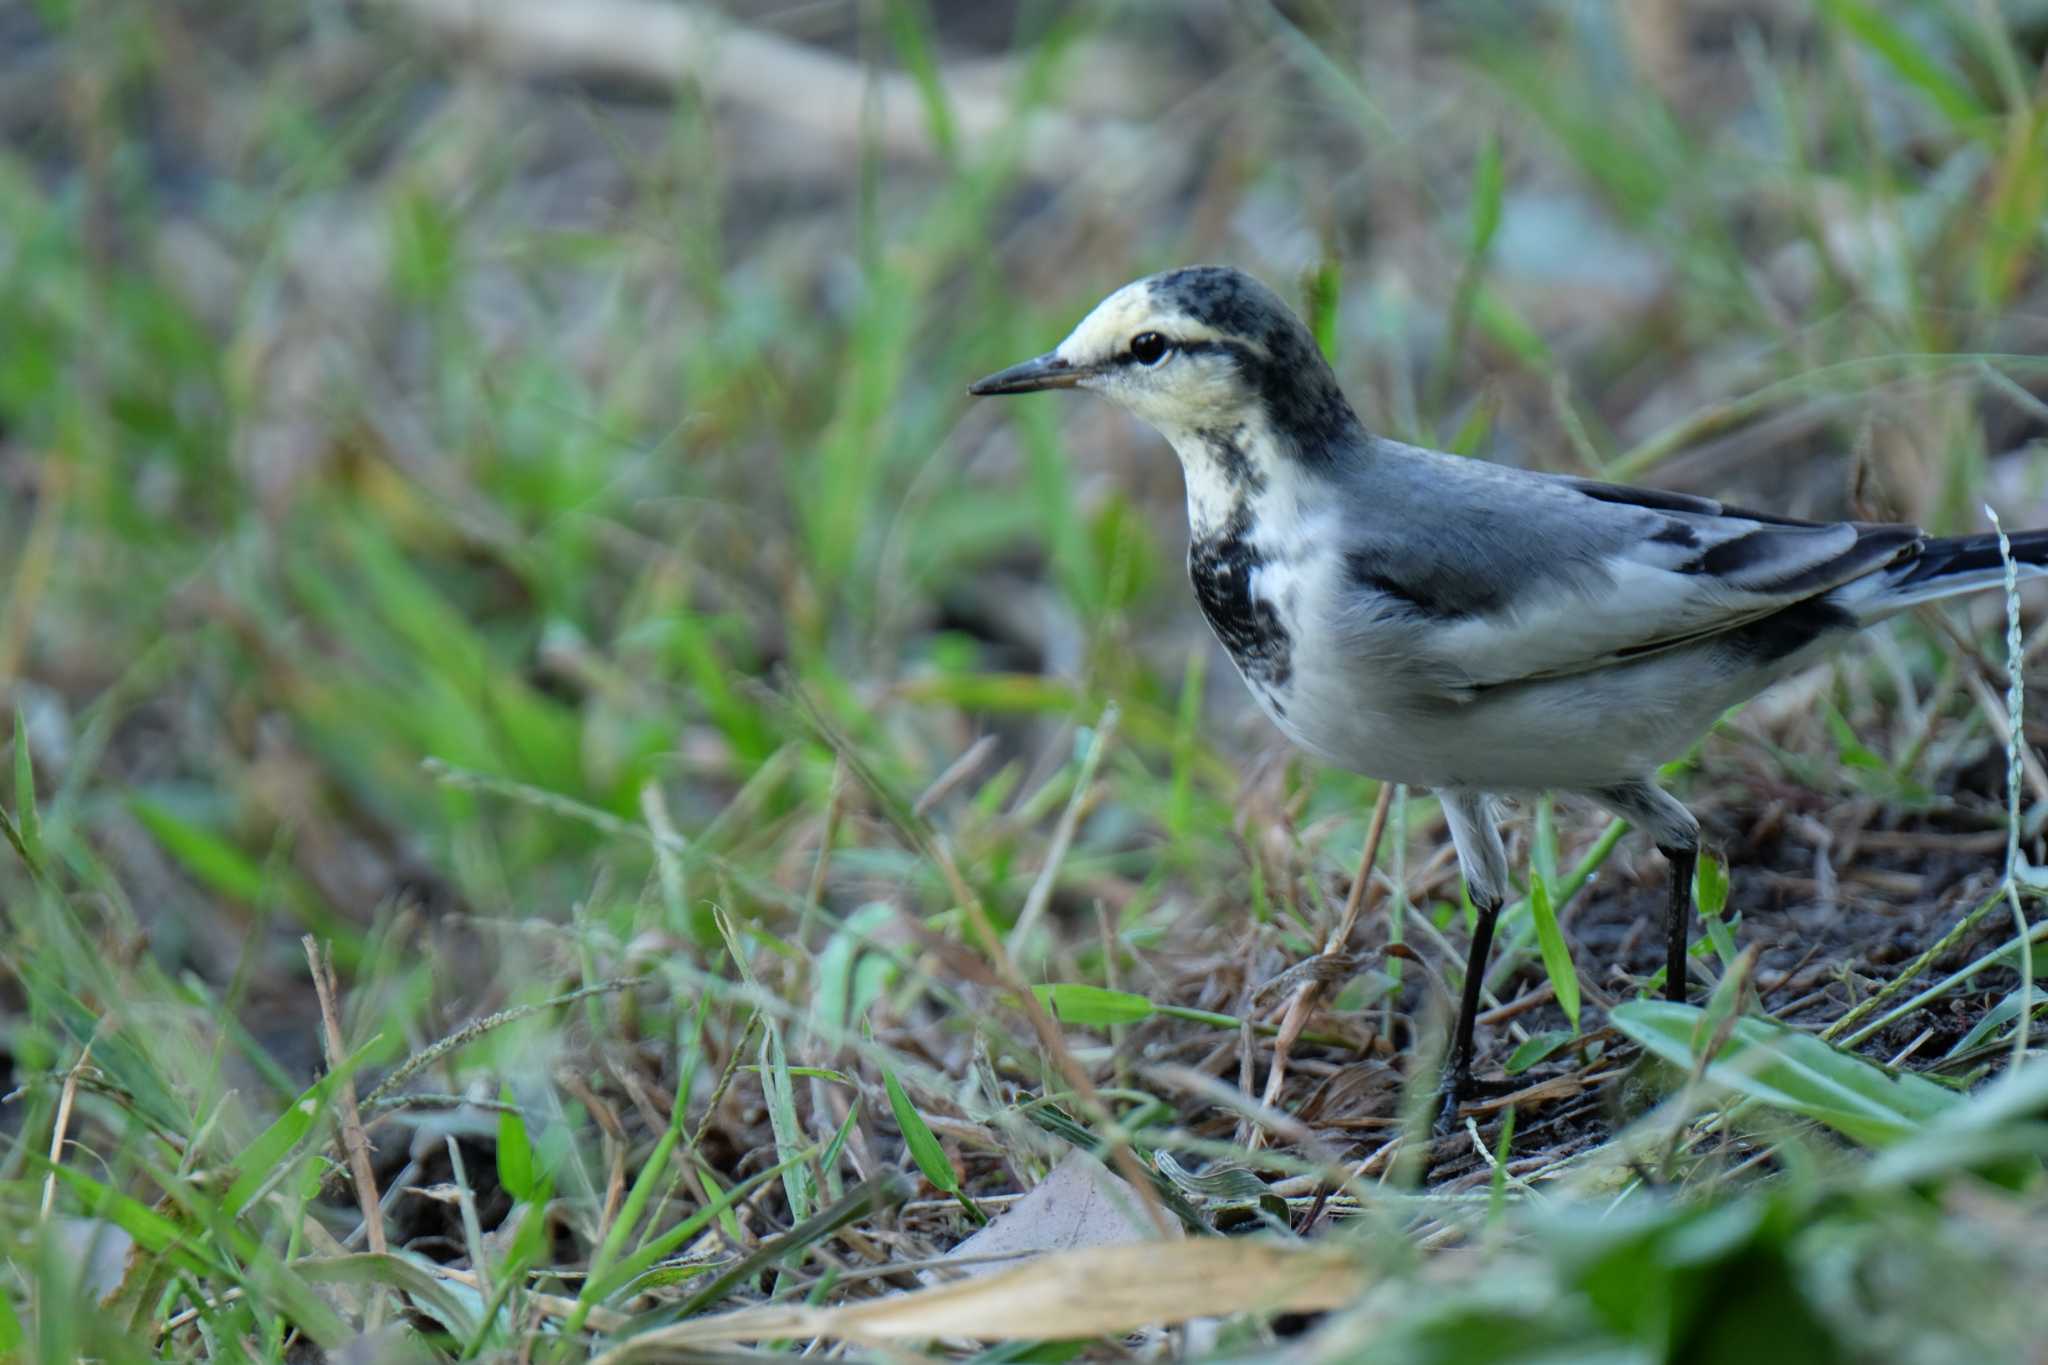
(1149, 348)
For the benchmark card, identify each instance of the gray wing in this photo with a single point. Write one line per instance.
(1490, 575)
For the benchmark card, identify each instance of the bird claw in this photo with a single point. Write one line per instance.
(1451, 1100)
(1447, 1117)
(1447, 1123)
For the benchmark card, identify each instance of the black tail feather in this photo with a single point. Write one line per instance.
(1949, 556)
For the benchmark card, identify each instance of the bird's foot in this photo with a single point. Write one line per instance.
(1456, 1093)
(1447, 1118)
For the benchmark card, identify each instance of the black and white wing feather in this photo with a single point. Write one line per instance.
(1501, 575)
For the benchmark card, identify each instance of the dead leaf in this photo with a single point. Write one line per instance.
(1080, 1204)
(1099, 1291)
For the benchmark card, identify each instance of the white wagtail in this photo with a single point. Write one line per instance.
(1425, 618)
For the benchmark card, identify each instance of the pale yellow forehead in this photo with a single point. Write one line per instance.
(1130, 310)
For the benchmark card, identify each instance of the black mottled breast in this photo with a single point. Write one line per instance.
(1220, 566)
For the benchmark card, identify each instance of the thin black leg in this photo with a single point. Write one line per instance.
(1678, 919)
(1458, 1066)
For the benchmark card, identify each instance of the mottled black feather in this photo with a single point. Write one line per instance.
(1274, 353)
(1227, 449)
(1220, 566)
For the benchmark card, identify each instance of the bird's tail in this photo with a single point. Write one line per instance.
(1950, 565)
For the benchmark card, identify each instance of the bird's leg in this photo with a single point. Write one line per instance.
(1457, 1079)
(1678, 917)
(1484, 861)
(1655, 811)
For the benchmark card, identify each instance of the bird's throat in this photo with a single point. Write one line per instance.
(1246, 539)
(1229, 469)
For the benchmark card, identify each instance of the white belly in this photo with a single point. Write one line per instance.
(1582, 732)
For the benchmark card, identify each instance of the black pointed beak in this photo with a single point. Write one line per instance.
(1044, 372)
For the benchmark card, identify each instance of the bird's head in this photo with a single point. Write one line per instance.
(1201, 349)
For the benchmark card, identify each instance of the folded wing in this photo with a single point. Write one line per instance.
(1496, 576)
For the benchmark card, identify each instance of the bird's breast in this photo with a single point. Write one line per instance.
(1270, 586)
(1226, 568)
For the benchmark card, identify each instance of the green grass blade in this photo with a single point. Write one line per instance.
(27, 832)
(1793, 1071)
(256, 1164)
(1485, 222)
(1908, 58)
(17, 843)
(214, 861)
(630, 1268)
(1537, 1048)
(910, 29)
(884, 1191)
(515, 1152)
(919, 1138)
(1710, 894)
(11, 1336)
(1322, 290)
(152, 1231)
(924, 1146)
(1992, 1127)
(1487, 187)
(798, 1183)
(652, 1173)
(395, 1271)
(1557, 954)
(1076, 1002)
(259, 1269)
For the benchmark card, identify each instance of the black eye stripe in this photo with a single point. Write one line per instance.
(1237, 351)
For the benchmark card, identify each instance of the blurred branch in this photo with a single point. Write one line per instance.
(831, 99)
